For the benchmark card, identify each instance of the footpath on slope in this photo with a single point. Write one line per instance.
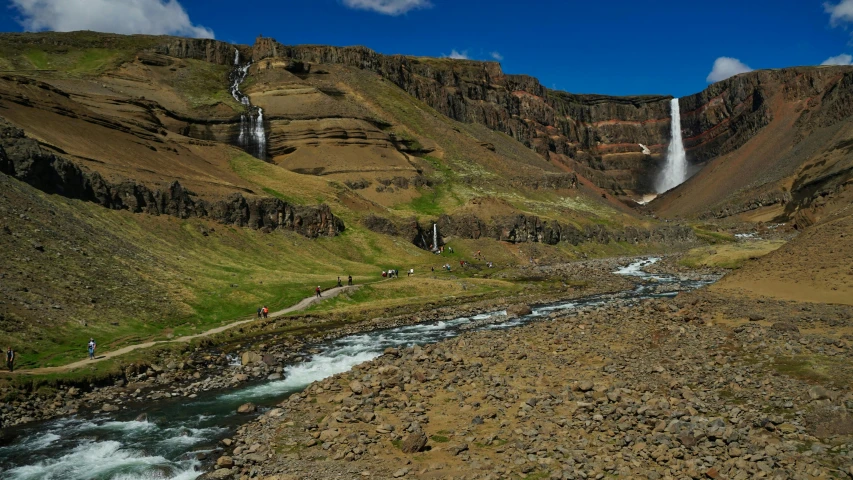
(301, 305)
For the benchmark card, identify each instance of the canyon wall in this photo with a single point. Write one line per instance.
(597, 136)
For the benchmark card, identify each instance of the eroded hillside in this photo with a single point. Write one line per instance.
(128, 153)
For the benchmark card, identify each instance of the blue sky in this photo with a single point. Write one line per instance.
(617, 47)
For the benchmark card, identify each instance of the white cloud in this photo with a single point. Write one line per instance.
(842, 59)
(497, 56)
(725, 67)
(157, 17)
(388, 7)
(841, 13)
(463, 55)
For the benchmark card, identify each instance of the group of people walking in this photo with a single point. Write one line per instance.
(263, 312)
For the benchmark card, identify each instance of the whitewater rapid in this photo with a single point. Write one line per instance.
(180, 430)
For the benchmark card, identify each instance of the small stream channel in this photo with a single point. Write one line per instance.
(180, 430)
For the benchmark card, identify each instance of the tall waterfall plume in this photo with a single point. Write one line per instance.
(252, 137)
(435, 236)
(674, 171)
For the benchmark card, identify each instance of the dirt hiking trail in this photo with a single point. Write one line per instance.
(302, 305)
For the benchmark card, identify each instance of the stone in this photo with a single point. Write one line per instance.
(225, 462)
(356, 387)
(414, 442)
(518, 310)
(250, 358)
(247, 408)
(817, 392)
(400, 473)
(785, 327)
(456, 450)
(221, 474)
(109, 408)
(385, 428)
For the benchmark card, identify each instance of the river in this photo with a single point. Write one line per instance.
(179, 432)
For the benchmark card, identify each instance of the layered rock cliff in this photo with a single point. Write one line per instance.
(24, 159)
(598, 136)
(595, 135)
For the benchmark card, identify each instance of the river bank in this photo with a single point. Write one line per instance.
(175, 436)
(699, 386)
(261, 350)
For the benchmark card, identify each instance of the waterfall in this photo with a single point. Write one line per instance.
(435, 236)
(252, 137)
(674, 171)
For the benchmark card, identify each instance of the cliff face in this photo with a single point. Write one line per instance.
(526, 229)
(208, 50)
(596, 135)
(723, 117)
(775, 139)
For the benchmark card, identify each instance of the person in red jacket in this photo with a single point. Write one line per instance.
(318, 291)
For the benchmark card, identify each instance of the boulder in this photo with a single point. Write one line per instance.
(224, 462)
(518, 310)
(819, 393)
(109, 408)
(356, 387)
(785, 327)
(250, 358)
(247, 408)
(414, 442)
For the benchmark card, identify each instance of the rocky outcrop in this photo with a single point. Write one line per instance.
(529, 228)
(205, 49)
(525, 228)
(23, 158)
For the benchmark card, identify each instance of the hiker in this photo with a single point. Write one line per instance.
(10, 359)
(384, 274)
(92, 348)
(432, 269)
(349, 280)
(260, 312)
(339, 282)
(266, 311)
(318, 291)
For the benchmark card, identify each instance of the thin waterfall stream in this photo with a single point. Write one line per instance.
(252, 136)
(177, 432)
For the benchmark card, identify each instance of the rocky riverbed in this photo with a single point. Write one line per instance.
(226, 361)
(699, 386)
